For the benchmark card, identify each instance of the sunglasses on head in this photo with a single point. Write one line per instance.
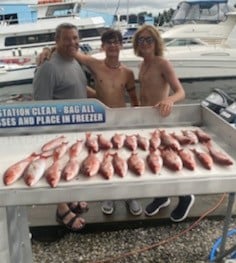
(148, 40)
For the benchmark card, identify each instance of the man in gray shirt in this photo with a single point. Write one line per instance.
(58, 78)
(62, 78)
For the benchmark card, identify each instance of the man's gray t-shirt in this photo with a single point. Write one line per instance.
(59, 79)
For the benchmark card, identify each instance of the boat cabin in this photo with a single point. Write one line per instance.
(201, 11)
(29, 38)
(47, 9)
(17, 12)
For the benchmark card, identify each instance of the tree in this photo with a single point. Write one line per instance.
(164, 17)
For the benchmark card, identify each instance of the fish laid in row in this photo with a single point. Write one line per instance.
(136, 164)
(35, 171)
(155, 161)
(15, 171)
(106, 167)
(120, 165)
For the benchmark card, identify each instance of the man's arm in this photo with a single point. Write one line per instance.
(43, 83)
(91, 93)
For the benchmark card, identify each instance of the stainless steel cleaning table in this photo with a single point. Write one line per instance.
(25, 127)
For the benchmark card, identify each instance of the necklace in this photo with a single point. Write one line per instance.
(117, 65)
(144, 70)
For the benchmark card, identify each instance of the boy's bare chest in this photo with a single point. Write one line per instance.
(112, 78)
(149, 74)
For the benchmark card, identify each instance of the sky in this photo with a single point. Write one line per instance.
(134, 6)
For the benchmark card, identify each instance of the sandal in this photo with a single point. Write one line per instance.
(69, 225)
(78, 207)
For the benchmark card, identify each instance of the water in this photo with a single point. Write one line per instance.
(16, 93)
(195, 91)
(198, 90)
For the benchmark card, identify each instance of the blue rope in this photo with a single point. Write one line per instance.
(215, 247)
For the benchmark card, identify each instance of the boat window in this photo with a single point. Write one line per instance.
(49, 37)
(9, 19)
(62, 10)
(219, 54)
(93, 32)
(29, 39)
(182, 42)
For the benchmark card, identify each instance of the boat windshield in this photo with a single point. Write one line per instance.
(63, 10)
(200, 11)
(170, 42)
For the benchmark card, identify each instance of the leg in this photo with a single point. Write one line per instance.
(108, 207)
(183, 208)
(78, 207)
(134, 207)
(69, 219)
(157, 203)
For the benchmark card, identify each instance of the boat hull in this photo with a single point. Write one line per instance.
(16, 76)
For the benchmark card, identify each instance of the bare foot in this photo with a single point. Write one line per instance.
(78, 207)
(66, 217)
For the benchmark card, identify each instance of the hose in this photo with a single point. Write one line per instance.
(215, 247)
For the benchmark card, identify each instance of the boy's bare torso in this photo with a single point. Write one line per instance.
(153, 87)
(111, 84)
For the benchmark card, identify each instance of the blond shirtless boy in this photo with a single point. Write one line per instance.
(112, 81)
(159, 87)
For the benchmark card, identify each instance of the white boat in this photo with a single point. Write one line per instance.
(203, 68)
(200, 67)
(209, 21)
(15, 82)
(28, 39)
(197, 22)
(15, 74)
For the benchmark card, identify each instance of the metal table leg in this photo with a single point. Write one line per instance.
(4, 240)
(15, 244)
(228, 215)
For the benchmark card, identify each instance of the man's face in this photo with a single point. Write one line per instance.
(68, 43)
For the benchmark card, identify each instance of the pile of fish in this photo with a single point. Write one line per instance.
(184, 149)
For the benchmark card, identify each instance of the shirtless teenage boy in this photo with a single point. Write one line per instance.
(112, 81)
(112, 78)
(157, 79)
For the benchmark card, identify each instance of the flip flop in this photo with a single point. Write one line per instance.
(78, 207)
(69, 225)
